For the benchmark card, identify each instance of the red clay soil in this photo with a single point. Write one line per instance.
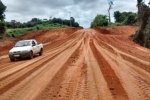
(79, 64)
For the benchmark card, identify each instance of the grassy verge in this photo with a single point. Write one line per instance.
(116, 24)
(21, 31)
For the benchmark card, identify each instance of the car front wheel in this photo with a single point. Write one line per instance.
(11, 59)
(41, 52)
(31, 55)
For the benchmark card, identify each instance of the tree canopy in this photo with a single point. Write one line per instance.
(2, 17)
(100, 20)
(130, 19)
(125, 17)
(2, 10)
(36, 21)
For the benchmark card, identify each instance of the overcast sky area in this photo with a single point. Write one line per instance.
(84, 11)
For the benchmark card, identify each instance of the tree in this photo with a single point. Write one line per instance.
(142, 36)
(127, 18)
(130, 19)
(75, 24)
(35, 21)
(2, 10)
(2, 17)
(45, 20)
(100, 20)
(2, 27)
(119, 17)
(139, 6)
(66, 22)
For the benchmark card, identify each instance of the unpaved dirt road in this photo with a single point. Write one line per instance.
(81, 64)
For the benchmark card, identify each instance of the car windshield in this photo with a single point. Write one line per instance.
(22, 43)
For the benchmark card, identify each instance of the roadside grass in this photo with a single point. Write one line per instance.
(116, 24)
(21, 31)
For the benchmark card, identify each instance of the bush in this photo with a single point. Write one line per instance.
(30, 29)
(12, 35)
(116, 24)
(37, 27)
(130, 19)
(99, 20)
(2, 27)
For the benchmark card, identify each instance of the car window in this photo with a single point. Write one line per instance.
(33, 43)
(22, 43)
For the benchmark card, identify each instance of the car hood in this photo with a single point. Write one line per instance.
(20, 48)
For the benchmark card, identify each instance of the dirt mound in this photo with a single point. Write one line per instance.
(103, 30)
(117, 30)
(50, 35)
(6, 44)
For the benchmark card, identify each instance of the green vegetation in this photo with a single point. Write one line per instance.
(125, 18)
(100, 20)
(15, 29)
(2, 17)
(21, 31)
(115, 24)
(2, 10)
(35, 21)
(2, 27)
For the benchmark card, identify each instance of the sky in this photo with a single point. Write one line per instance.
(84, 11)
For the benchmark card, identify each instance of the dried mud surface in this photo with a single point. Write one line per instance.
(78, 64)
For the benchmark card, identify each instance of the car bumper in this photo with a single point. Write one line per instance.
(13, 55)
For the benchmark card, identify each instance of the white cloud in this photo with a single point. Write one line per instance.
(83, 11)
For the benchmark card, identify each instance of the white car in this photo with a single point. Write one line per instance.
(25, 48)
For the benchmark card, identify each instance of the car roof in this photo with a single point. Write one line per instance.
(27, 40)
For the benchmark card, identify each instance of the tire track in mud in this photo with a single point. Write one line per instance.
(59, 87)
(28, 78)
(121, 43)
(138, 62)
(14, 78)
(113, 82)
(143, 88)
(140, 85)
(52, 54)
(66, 79)
(138, 81)
(6, 65)
(97, 86)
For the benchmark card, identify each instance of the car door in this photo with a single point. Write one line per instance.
(37, 47)
(34, 47)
